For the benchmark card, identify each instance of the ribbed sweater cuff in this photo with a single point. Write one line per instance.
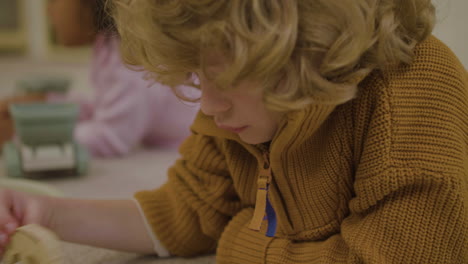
(332, 250)
(239, 244)
(155, 209)
(176, 228)
(159, 249)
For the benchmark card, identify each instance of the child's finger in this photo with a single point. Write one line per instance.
(10, 227)
(6, 231)
(5, 235)
(6, 219)
(3, 238)
(8, 223)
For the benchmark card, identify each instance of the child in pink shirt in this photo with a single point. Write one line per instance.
(125, 110)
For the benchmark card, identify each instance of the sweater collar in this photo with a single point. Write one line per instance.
(296, 125)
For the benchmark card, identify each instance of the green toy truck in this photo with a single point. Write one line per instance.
(44, 140)
(29, 89)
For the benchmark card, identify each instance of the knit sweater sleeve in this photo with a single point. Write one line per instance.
(190, 211)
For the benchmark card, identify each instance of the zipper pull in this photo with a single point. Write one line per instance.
(263, 183)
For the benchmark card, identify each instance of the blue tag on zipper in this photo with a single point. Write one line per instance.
(271, 216)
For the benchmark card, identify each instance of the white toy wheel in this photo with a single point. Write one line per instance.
(33, 244)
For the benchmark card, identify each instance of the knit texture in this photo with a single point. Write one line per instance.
(379, 179)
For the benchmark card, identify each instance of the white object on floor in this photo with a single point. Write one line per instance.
(33, 244)
(55, 157)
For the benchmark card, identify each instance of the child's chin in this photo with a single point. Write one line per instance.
(253, 140)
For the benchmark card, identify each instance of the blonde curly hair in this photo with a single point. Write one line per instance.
(304, 51)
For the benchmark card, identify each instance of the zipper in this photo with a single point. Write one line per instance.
(262, 205)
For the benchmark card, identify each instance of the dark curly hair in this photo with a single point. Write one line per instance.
(102, 19)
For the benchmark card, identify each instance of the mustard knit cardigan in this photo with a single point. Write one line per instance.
(379, 179)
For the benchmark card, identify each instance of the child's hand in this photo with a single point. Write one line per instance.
(17, 209)
(113, 224)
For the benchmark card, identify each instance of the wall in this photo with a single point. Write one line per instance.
(452, 26)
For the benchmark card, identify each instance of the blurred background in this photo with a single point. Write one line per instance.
(28, 46)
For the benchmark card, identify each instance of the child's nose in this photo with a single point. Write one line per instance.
(213, 102)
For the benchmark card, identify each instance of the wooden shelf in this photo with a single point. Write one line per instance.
(31, 33)
(12, 26)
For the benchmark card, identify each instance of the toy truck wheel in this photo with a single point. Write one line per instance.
(12, 160)
(82, 159)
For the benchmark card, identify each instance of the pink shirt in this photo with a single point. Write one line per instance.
(127, 110)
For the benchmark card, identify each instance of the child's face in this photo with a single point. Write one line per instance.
(72, 21)
(240, 110)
